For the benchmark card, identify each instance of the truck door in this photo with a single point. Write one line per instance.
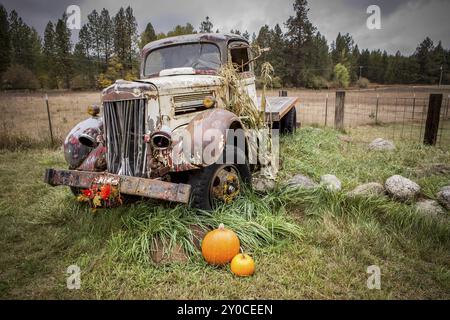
(240, 55)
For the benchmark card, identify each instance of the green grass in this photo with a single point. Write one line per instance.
(306, 244)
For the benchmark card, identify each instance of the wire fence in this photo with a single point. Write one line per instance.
(395, 114)
(391, 116)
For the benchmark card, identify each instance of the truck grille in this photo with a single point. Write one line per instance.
(190, 102)
(124, 135)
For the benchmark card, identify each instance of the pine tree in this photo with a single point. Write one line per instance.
(206, 26)
(94, 27)
(299, 36)
(5, 44)
(181, 30)
(120, 36)
(423, 55)
(125, 39)
(147, 36)
(106, 35)
(132, 38)
(63, 47)
(48, 51)
(84, 41)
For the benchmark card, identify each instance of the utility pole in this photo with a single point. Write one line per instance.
(440, 78)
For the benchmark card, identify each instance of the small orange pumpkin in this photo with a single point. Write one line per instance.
(243, 265)
(220, 246)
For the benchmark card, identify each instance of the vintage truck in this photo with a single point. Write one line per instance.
(136, 143)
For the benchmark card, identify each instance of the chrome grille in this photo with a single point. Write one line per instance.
(190, 102)
(124, 134)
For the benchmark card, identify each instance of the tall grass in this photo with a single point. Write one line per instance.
(147, 226)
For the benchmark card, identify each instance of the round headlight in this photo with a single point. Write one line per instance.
(93, 110)
(209, 102)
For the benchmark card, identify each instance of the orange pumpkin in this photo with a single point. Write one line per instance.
(220, 246)
(243, 265)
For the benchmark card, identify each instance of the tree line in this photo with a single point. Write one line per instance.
(108, 48)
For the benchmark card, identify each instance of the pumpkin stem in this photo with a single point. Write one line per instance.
(221, 226)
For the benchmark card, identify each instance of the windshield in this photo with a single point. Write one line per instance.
(199, 56)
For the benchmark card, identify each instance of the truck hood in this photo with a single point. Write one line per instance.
(169, 83)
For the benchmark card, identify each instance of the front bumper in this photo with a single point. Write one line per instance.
(149, 188)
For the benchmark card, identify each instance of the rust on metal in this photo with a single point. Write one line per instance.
(149, 188)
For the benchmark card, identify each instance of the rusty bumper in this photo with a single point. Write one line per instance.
(148, 188)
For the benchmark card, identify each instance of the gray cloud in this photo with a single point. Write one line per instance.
(404, 23)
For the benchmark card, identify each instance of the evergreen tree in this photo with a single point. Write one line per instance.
(48, 51)
(94, 26)
(63, 47)
(106, 35)
(299, 36)
(180, 30)
(147, 36)
(131, 37)
(84, 41)
(5, 44)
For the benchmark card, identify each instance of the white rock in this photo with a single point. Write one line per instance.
(301, 181)
(401, 188)
(368, 189)
(429, 208)
(381, 145)
(331, 182)
(444, 197)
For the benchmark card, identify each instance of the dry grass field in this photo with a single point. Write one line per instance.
(24, 114)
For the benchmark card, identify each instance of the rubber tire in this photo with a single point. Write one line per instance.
(289, 122)
(200, 181)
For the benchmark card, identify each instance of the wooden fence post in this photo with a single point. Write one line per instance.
(432, 123)
(339, 110)
(376, 108)
(49, 119)
(283, 93)
(326, 110)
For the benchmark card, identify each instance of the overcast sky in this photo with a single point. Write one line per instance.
(404, 23)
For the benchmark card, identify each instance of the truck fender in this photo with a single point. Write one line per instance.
(82, 140)
(206, 132)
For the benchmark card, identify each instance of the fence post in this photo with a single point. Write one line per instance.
(282, 93)
(339, 110)
(49, 119)
(376, 109)
(326, 110)
(432, 122)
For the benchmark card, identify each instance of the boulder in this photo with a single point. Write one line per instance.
(401, 188)
(381, 145)
(302, 182)
(429, 208)
(368, 189)
(444, 197)
(331, 182)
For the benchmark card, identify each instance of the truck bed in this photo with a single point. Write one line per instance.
(277, 107)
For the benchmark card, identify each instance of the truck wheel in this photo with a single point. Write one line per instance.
(218, 183)
(289, 122)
